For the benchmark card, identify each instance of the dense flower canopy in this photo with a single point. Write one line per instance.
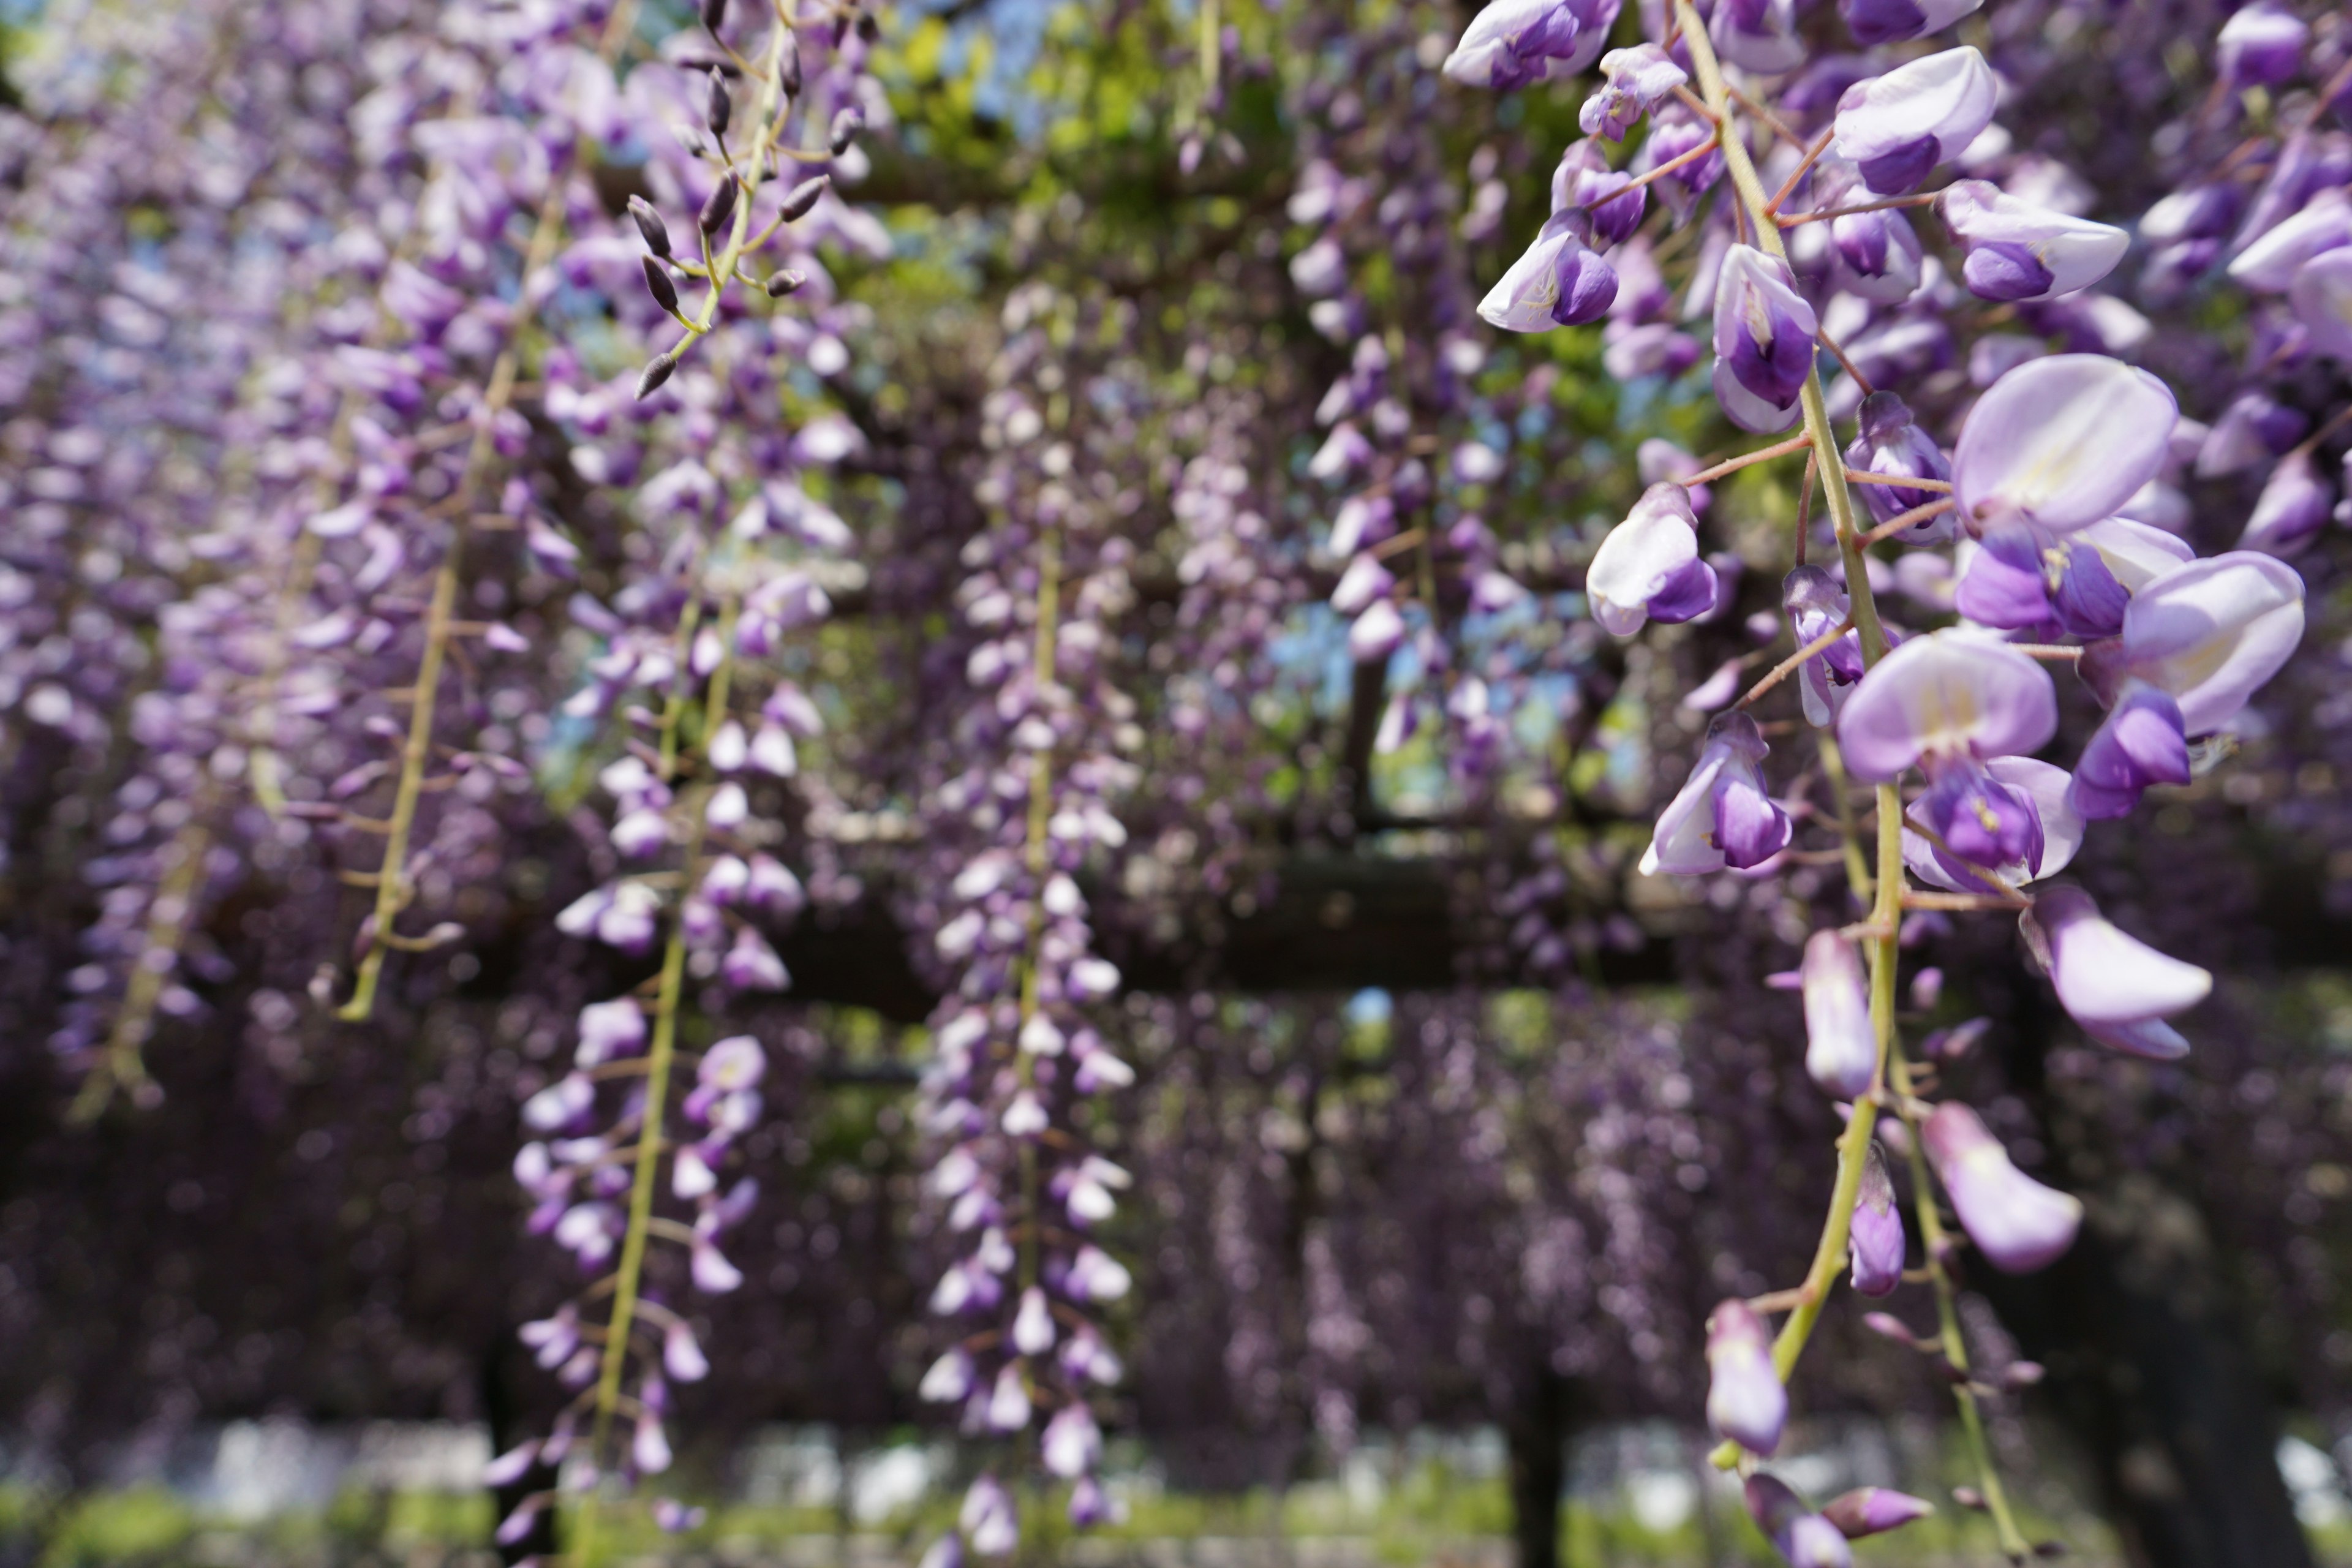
(607, 557)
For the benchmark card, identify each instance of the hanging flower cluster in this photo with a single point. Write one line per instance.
(1805, 251)
(1008, 1097)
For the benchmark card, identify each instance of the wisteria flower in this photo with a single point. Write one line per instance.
(1636, 82)
(1764, 340)
(1648, 568)
(1746, 1403)
(1724, 816)
(1514, 42)
(2117, 987)
(2016, 1222)
(2016, 250)
(1802, 1537)
(2048, 792)
(1841, 1043)
(1890, 443)
(2143, 743)
(1897, 127)
(1875, 1234)
(1757, 35)
(1873, 1510)
(1815, 605)
(1559, 282)
(2322, 297)
(2210, 633)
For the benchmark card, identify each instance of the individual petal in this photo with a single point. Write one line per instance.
(2016, 1222)
(1952, 695)
(1897, 127)
(2321, 226)
(2016, 250)
(1757, 35)
(1876, 22)
(2141, 743)
(1878, 254)
(2105, 977)
(2211, 632)
(1841, 1043)
(1071, 1445)
(1746, 1403)
(2061, 443)
(1873, 1510)
(2322, 297)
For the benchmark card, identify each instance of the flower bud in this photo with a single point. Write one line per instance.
(658, 285)
(2293, 507)
(650, 225)
(1639, 79)
(2141, 743)
(1841, 1045)
(718, 107)
(719, 206)
(803, 197)
(2261, 46)
(1746, 1403)
(657, 372)
(1875, 1238)
(1648, 568)
(1723, 815)
(846, 123)
(1764, 340)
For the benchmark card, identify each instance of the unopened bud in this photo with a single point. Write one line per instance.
(1969, 1497)
(658, 285)
(721, 207)
(846, 124)
(2022, 1375)
(801, 197)
(868, 28)
(650, 225)
(785, 282)
(721, 109)
(788, 68)
(655, 372)
(714, 15)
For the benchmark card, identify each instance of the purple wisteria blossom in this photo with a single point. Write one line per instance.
(2016, 1222)
(1746, 1403)
(1875, 1239)
(1648, 568)
(1724, 816)
(2016, 251)
(1764, 340)
(2061, 443)
(2118, 988)
(1514, 42)
(1803, 1538)
(1841, 1043)
(1897, 127)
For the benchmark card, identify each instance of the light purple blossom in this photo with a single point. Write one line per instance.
(1557, 281)
(2016, 1222)
(1945, 699)
(2261, 46)
(2322, 297)
(2045, 789)
(1897, 127)
(1889, 442)
(1876, 22)
(1841, 1042)
(1648, 568)
(1514, 42)
(1875, 1235)
(1724, 816)
(1746, 1403)
(1637, 80)
(2016, 250)
(1802, 1537)
(2210, 633)
(2118, 988)
(2142, 743)
(1764, 340)
(1757, 35)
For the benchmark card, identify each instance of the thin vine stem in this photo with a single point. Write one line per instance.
(416, 750)
(1853, 1145)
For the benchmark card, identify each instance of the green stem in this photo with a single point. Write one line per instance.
(1886, 913)
(1932, 1239)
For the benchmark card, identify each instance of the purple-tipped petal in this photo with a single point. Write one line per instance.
(1723, 815)
(1764, 334)
(1644, 557)
(2043, 786)
(2016, 250)
(1899, 126)
(1873, 1510)
(2016, 1222)
(2293, 507)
